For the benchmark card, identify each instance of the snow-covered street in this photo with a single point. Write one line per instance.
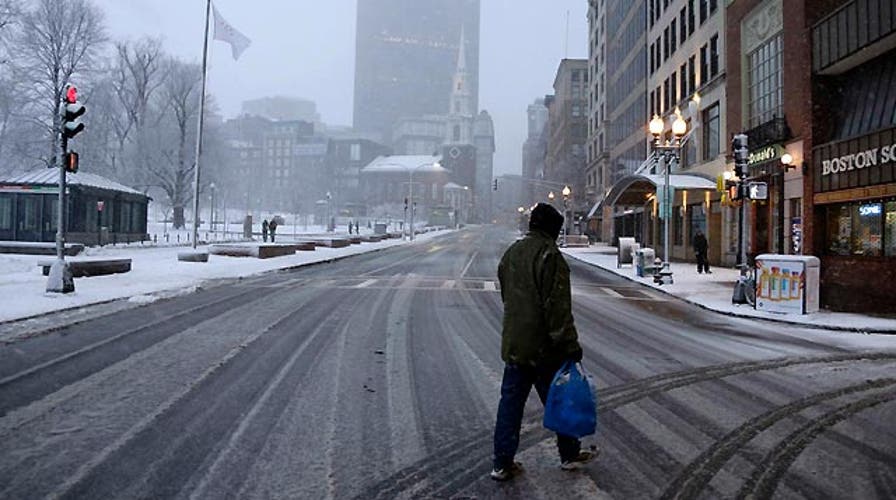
(378, 376)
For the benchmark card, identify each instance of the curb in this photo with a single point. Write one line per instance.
(741, 315)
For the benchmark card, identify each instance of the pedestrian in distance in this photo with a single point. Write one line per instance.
(349, 227)
(272, 226)
(537, 338)
(264, 230)
(700, 247)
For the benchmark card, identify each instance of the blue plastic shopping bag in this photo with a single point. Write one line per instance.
(571, 408)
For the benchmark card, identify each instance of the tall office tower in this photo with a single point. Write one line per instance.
(626, 87)
(406, 57)
(534, 149)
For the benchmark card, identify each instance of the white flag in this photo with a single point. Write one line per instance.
(227, 33)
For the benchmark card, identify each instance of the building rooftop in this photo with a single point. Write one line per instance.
(50, 177)
(405, 163)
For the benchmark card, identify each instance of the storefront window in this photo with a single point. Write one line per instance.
(5, 212)
(867, 239)
(856, 229)
(890, 229)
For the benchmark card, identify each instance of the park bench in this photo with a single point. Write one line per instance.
(577, 240)
(259, 250)
(38, 248)
(91, 267)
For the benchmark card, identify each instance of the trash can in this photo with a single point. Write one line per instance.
(379, 228)
(625, 251)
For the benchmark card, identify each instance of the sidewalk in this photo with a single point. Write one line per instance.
(713, 292)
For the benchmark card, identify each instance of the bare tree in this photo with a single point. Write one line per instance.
(179, 96)
(138, 76)
(56, 40)
(10, 10)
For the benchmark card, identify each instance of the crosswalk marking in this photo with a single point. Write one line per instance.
(489, 286)
(614, 293)
(366, 284)
(448, 284)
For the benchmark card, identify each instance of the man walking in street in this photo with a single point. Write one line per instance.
(700, 247)
(538, 335)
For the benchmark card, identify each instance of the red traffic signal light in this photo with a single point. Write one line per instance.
(71, 94)
(71, 162)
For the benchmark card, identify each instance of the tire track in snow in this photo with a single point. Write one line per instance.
(226, 474)
(765, 478)
(406, 436)
(456, 465)
(140, 449)
(31, 384)
(695, 477)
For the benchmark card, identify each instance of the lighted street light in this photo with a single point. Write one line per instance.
(667, 151)
(566, 192)
(551, 197)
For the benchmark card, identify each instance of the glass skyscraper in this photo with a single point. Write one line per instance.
(405, 58)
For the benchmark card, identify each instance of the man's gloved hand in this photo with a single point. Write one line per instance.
(576, 355)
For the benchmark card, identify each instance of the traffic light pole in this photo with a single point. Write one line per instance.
(60, 279)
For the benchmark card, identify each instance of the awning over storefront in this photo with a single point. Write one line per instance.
(636, 189)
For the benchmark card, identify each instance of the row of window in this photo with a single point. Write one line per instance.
(38, 213)
(687, 15)
(681, 85)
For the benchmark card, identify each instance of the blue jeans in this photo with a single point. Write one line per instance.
(515, 388)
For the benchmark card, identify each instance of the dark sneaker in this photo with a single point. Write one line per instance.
(708, 272)
(506, 473)
(583, 457)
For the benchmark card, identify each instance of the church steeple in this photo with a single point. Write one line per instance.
(460, 110)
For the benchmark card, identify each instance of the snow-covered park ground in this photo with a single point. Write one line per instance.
(156, 271)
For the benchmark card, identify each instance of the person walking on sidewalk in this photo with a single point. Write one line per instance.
(700, 247)
(264, 230)
(272, 227)
(538, 336)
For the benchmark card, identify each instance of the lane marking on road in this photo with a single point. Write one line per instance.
(613, 293)
(366, 284)
(448, 284)
(469, 263)
(489, 286)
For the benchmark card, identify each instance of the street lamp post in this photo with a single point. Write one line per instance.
(212, 207)
(668, 151)
(327, 222)
(566, 192)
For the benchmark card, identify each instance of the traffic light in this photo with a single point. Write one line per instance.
(741, 155)
(71, 111)
(71, 162)
(405, 203)
(733, 190)
(495, 185)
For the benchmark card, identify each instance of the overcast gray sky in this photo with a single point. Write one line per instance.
(305, 48)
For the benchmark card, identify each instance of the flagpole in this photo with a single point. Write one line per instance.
(208, 9)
